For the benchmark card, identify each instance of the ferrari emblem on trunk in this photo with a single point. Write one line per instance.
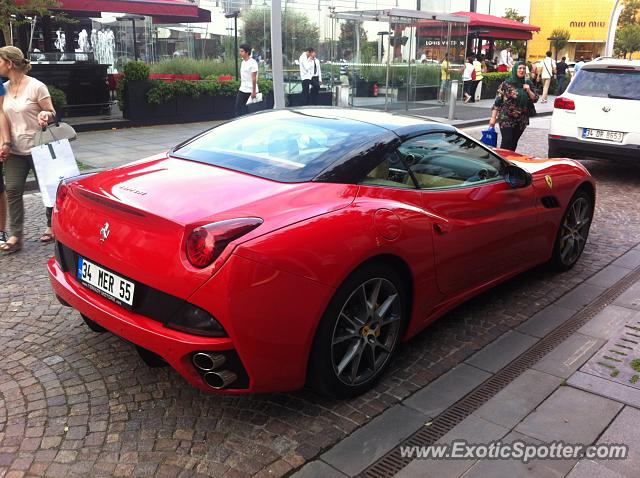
(104, 232)
(549, 181)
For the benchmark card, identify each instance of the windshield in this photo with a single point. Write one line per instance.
(608, 83)
(284, 146)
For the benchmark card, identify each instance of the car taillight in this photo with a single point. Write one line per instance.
(205, 243)
(562, 103)
(61, 194)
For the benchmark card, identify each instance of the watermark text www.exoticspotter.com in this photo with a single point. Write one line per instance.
(516, 450)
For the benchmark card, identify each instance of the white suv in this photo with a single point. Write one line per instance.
(599, 114)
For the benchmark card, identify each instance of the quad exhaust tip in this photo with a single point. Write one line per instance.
(206, 361)
(220, 380)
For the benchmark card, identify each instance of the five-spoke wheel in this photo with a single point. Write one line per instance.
(574, 231)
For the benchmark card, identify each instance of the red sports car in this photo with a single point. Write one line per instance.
(300, 246)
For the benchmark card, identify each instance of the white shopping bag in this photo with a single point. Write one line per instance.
(257, 99)
(53, 162)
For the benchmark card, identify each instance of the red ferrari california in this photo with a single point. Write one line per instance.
(300, 246)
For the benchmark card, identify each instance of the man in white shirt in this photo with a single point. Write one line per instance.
(248, 80)
(310, 75)
(548, 68)
(505, 60)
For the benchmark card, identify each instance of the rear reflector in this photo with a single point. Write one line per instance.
(562, 103)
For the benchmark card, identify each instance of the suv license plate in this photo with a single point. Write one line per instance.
(614, 136)
(105, 283)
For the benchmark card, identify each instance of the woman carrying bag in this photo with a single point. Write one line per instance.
(28, 107)
(513, 106)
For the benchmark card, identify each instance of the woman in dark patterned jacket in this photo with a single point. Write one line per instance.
(513, 106)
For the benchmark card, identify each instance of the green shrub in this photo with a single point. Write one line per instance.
(496, 76)
(133, 71)
(190, 66)
(58, 98)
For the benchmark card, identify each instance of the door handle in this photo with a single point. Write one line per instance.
(441, 228)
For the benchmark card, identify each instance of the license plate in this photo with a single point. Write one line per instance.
(105, 282)
(614, 136)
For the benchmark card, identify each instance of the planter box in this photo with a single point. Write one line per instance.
(325, 98)
(137, 108)
(489, 89)
(223, 107)
(200, 108)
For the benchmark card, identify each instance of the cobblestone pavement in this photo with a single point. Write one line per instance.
(76, 403)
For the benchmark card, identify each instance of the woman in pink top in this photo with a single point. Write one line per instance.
(27, 106)
(5, 140)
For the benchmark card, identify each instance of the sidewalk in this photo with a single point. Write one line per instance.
(584, 390)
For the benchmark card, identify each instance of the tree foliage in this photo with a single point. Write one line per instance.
(630, 14)
(12, 13)
(347, 39)
(518, 45)
(561, 38)
(628, 39)
(297, 31)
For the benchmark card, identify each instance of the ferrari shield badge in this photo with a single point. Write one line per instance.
(549, 181)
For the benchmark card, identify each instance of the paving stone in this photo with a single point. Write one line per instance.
(565, 416)
(591, 469)
(580, 296)
(608, 276)
(472, 429)
(446, 390)
(605, 388)
(569, 356)
(501, 351)
(318, 469)
(608, 323)
(353, 454)
(519, 398)
(545, 321)
(630, 298)
(516, 468)
(630, 260)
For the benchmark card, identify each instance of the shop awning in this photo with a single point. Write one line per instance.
(487, 26)
(162, 11)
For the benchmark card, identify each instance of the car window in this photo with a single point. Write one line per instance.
(449, 160)
(606, 83)
(283, 146)
(391, 172)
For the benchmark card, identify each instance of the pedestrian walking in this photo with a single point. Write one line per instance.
(561, 74)
(479, 66)
(248, 80)
(445, 78)
(468, 75)
(513, 106)
(28, 107)
(548, 72)
(505, 60)
(5, 141)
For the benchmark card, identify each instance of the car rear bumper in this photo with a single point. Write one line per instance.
(563, 146)
(270, 329)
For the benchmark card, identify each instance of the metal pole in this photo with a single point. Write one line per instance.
(611, 33)
(276, 54)
(235, 37)
(453, 94)
(135, 42)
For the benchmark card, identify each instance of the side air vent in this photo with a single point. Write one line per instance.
(550, 202)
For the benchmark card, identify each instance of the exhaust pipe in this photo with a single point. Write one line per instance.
(221, 379)
(206, 361)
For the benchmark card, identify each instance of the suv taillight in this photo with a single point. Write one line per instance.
(562, 103)
(205, 243)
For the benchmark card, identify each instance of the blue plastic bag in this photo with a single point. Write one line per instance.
(490, 137)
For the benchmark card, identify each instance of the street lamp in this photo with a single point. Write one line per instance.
(381, 45)
(264, 29)
(235, 15)
(133, 19)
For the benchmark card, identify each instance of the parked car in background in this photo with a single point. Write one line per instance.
(598, 116)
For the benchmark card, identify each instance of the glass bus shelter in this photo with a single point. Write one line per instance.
(393, 59)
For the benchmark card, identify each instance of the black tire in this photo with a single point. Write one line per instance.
(94, 326)
(353, 335)
(573, 231)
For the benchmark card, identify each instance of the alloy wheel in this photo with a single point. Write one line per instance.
(575, 230)
(366, 331)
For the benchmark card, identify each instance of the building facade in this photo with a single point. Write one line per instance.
(586, 20)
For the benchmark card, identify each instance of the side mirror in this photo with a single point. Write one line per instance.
(517, 177)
